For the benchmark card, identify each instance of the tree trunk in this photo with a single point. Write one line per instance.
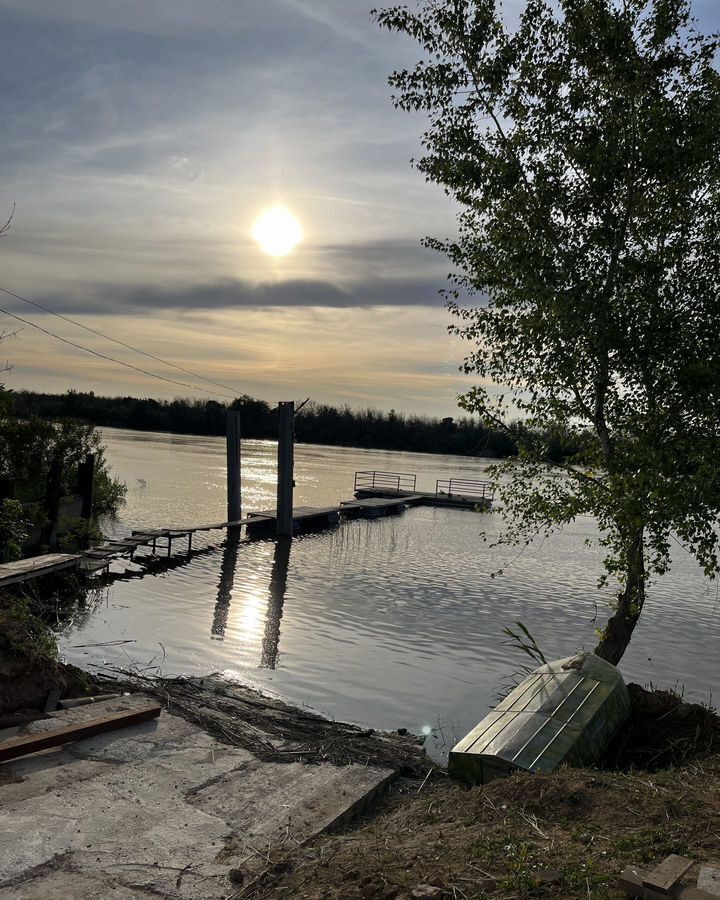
(630, 603)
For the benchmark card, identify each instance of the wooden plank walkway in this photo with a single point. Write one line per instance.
(303, 517)
(373, 507)
(24, 569)
(369, 503)
(99, 558)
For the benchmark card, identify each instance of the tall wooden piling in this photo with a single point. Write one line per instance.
(234, 500)
(53, 493)
(86, 489)
(86, 485)
(285, 483)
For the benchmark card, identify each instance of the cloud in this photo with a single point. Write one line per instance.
(388, 357)
(238, 294)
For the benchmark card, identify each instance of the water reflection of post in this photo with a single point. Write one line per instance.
(225, 585)
(276, 600)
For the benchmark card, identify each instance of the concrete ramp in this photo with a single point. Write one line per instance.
(159, 809)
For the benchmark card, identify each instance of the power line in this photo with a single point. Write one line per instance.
(118, 362)
(116, 341)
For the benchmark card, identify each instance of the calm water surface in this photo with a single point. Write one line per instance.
(394, 622)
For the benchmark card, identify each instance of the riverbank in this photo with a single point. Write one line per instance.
(232, 794)
(567, 835)
(30, 670)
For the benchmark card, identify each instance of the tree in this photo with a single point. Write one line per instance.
(584, 150)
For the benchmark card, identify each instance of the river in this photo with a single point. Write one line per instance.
(390, 623)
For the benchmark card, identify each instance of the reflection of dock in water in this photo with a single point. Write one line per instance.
(276, 602)
(275, 596)
(225, 585)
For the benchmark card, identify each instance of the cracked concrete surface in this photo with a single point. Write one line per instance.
(158, 809)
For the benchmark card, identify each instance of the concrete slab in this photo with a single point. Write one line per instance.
(158, 809)
(709, 879)
(62, 881)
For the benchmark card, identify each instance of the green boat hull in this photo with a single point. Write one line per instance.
(565, 713)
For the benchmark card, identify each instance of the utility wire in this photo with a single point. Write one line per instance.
(116, 341)
(118, 362)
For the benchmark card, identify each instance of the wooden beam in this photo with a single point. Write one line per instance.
(31, 743)
(35, 566)
(631, 881)
(285, 483)
(234, 501)
(664, 876)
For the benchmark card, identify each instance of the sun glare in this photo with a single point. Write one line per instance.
(277, 231)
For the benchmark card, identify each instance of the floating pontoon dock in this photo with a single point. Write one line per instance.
(455, 493)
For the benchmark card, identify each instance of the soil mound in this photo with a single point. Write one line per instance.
(665, 730)
(29, 669)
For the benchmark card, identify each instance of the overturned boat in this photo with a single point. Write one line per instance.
(567, 711)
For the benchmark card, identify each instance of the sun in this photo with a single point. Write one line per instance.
(277, 231)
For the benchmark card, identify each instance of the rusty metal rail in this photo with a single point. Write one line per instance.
(464, 487)
(385, 481)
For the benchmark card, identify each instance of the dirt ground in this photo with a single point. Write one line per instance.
(564, 835)
(443, 840)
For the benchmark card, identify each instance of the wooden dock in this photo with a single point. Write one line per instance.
(425, 498)
(376, 494)
(373, 507)
(451, 493)
(304, 518)
(35, 566)
(99, 558)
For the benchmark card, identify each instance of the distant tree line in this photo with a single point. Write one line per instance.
(316, 423)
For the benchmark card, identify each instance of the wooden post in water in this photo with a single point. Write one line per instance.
(86, 485)
(234, 502)
(285, 483)
(53, 492)
(86, 489)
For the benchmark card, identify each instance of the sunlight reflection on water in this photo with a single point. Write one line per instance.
(391, 622)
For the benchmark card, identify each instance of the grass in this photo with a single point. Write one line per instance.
(583, 825)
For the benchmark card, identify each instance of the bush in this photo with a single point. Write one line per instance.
(13, 530)
(28, 449)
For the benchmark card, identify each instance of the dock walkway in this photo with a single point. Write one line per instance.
(376, 494)
(424, 498)
(34, 566)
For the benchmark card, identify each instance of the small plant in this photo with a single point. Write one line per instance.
(24, 632)
(526, 643)
(13, 530)
(76, 533)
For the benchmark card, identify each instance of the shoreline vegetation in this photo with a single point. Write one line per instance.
(316, 423)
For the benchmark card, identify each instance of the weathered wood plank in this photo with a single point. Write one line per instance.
(31, 743)
(35, 566)
(631, 881)
(668, 873)
(379, 502)
(299, 512)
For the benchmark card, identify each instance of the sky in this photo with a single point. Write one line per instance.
(141, 140)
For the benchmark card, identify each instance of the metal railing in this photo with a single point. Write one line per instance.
(385, 481)
(463, 487)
